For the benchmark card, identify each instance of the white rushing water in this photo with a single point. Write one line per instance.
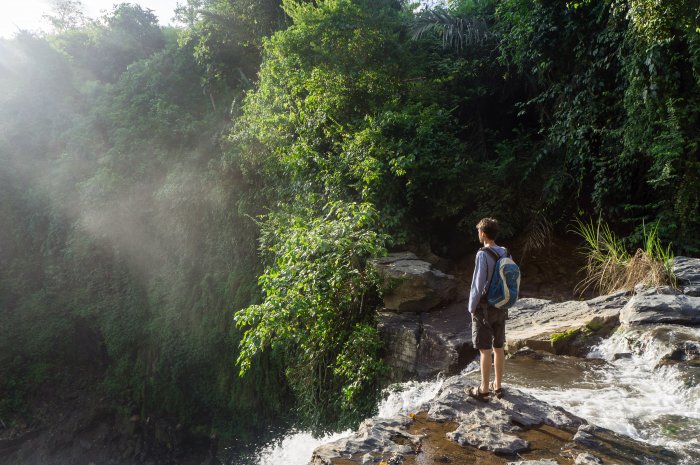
(635, 393)
(631, 393)
(295, 449)
(297, 446)
(408, 397)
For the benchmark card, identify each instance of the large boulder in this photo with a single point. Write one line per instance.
(545, 325)
(644, 309)
(687, 271)
(423, 323)
(512, 426)
(424, 344)
(666, 305)
(413, 285)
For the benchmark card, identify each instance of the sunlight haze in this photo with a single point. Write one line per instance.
(16, 15)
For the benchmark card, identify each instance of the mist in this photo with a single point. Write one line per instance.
(123, 249)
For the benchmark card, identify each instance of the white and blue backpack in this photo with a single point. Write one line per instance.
(505, 283)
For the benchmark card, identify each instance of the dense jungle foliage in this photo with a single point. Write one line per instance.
(194, 210)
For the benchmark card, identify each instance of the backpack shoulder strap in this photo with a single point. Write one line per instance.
(492, 252)
(496, 257)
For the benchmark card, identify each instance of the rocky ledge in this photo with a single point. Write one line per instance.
(413, 285)
(426, 329)
(517, 429)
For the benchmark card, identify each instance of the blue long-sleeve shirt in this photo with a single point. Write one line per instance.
(483, 271)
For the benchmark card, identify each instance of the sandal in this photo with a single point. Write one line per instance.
(497, 392)
(475, 392)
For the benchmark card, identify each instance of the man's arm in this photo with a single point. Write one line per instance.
(478, 281)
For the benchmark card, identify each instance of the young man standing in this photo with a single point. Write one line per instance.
(488, 322)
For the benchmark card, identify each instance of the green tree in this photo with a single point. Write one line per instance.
(66, 15)
(226, 36)
(121, 37)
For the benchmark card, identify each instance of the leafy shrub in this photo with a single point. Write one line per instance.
(320, 293)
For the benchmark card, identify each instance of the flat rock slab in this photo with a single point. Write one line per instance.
(687, 271)
(485, 437)
(532, 322)
(451, 403)
(413, 285)
(661, 309)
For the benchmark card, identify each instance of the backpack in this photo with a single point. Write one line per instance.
(505, 282)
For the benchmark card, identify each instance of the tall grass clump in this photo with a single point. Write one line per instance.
(610, 267)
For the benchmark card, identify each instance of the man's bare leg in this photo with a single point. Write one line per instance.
(499, 359)
(485, 369)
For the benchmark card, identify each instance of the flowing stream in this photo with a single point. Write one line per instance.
(627, 384)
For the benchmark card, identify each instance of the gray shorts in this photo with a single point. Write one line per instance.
(489, 327)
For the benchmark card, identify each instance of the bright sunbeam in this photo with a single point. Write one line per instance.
(16, 15)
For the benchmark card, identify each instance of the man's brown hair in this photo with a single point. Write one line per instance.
(489, 226)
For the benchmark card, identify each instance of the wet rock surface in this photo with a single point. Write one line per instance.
(485, 437)
(536, 323)
(505, 430)
(390, 435)
(645, 309)
(679, 345)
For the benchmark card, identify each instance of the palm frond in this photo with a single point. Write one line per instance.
(456, 32)
(538, 235)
